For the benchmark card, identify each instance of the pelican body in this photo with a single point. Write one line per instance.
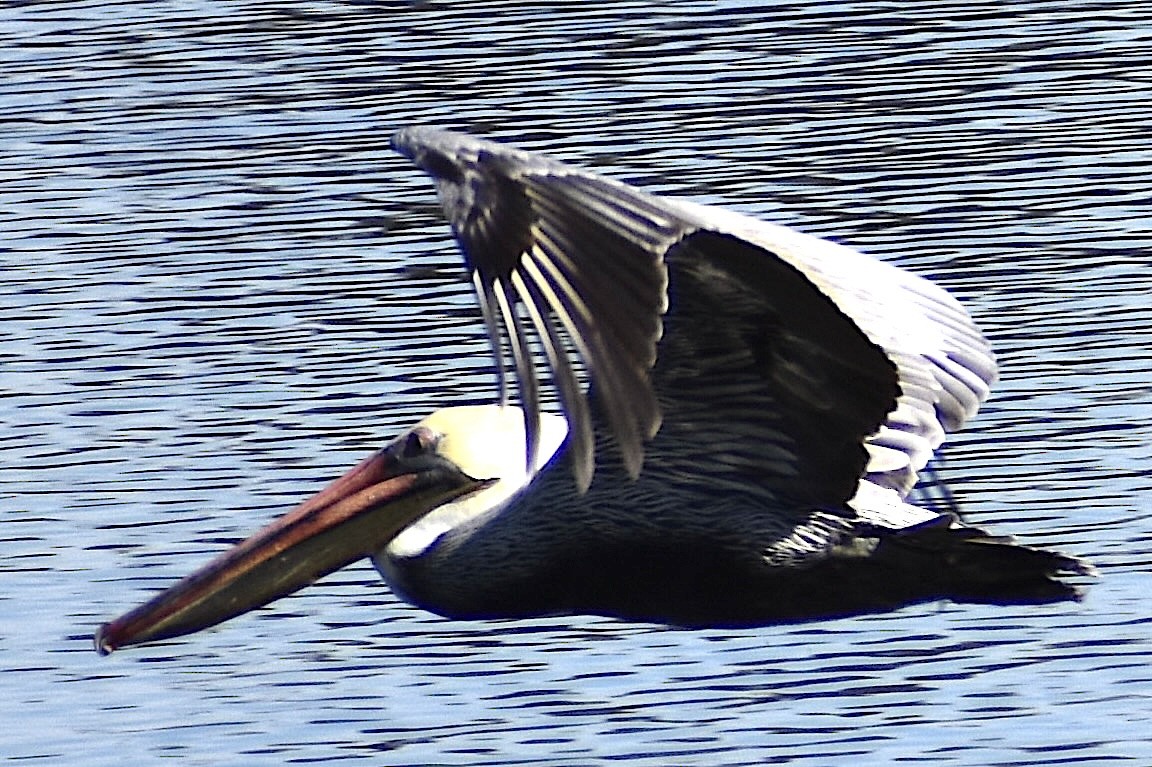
(758, 407)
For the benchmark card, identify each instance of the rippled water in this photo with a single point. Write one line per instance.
(219, 289)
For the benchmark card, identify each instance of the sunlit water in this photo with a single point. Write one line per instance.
(219, 289)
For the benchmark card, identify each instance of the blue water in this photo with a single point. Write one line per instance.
(218, 289)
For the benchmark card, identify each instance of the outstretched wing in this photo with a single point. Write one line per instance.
(859, 367)
(577, 252)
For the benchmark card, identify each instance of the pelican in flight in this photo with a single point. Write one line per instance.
(744, 411)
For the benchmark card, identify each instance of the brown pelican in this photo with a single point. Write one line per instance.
(760, 404)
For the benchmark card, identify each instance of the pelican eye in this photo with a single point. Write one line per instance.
(420, 441)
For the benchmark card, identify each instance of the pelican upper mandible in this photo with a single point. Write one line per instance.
(758, 405)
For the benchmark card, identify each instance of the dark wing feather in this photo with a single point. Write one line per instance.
(569, 250)
(944, 364)
(769, 374)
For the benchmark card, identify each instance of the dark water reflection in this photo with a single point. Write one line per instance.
(219, 289)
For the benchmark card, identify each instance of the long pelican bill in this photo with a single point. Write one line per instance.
(352, 518)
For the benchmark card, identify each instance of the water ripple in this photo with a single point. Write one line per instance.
(220, 288)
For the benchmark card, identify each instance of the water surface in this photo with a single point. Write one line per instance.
(218, 288)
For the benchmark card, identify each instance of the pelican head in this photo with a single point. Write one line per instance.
(458, 466)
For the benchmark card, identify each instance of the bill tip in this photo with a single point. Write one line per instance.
(101, 642)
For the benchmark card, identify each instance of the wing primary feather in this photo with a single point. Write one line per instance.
(621, 376)
(621, 308)
(581, 445)
(626, 211)
(559, 267)
(628, 344)
(525, 372)
(622, 384)
(486, 298)
(571, 396)
(596, 237)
